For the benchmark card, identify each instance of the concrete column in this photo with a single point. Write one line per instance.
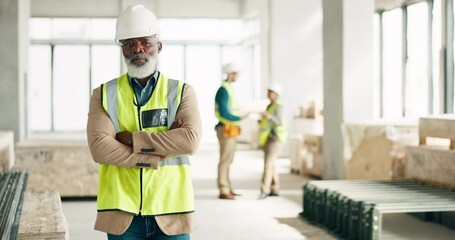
(348, 74)
(14, 15)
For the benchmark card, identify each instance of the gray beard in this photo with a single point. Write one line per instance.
(141, 71)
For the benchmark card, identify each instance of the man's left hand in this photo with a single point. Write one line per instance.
(178, 123)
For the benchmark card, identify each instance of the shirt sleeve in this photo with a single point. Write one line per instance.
(222, 98)
(103, 146)
(179, 141)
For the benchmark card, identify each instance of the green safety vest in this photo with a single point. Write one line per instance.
(233, 106)
(150, 192)
(267, 126)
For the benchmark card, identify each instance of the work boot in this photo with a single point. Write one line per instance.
(227, 196)
(273, 194)
(235, 194)
(263, 195)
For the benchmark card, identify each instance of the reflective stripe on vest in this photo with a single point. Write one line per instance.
(112, 104)
(266, 126)
(233, 106)
(166, 190)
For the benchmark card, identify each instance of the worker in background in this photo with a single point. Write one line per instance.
(141, 128)
(272, 135)
(227, 129)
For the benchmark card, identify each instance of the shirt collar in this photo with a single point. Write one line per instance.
(152, 80)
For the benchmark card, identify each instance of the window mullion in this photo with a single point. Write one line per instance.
(52, 87)
(430, 57)
(449, 74)
(381, 65)
(90, 74)
(404, 59)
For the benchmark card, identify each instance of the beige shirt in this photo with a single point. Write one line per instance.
(105, 149)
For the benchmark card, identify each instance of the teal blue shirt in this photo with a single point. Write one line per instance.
(222, 99)
(143, 94)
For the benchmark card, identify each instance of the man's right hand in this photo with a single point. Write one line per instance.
(125, 138)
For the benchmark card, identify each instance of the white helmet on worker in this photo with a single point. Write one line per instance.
(276, 87)
(136, 21)
(231, 68)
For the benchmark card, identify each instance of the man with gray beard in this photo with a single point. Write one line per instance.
(141, 129)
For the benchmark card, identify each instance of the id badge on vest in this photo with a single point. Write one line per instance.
(154, 118)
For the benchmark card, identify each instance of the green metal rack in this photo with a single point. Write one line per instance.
(353, 208)
(12, 188)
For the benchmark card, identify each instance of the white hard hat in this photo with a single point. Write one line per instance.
(136, 21)
(276, 87)
(230, 68)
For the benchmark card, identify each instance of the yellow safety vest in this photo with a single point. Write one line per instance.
(267, 126)
(233, 106)
(149, 192)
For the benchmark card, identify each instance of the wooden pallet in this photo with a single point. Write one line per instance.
(313, 160)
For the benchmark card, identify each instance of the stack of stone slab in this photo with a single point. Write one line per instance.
(63, 166)
(305, 149)
(313, 163)
(41, 214)
(42, 217)
(375, 149)
(296, 153)
(6, 150)
(433, 164)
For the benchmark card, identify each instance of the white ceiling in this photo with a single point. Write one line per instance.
(162, 8)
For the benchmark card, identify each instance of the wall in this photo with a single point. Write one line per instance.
(291, 47)
(296, 50)
(296, 54)
(13, 50)
(260, 9)
(358, 79)
(291, 50)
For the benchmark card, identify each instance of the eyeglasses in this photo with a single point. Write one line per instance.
(145, 42)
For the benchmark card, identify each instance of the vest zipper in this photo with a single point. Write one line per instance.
(141, 170)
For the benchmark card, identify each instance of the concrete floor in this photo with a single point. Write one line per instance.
(274, 218)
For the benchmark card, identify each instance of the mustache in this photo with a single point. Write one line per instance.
(139, 55)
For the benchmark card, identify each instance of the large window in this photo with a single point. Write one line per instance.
(409, 67)
(71, 57)
(67, 59)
